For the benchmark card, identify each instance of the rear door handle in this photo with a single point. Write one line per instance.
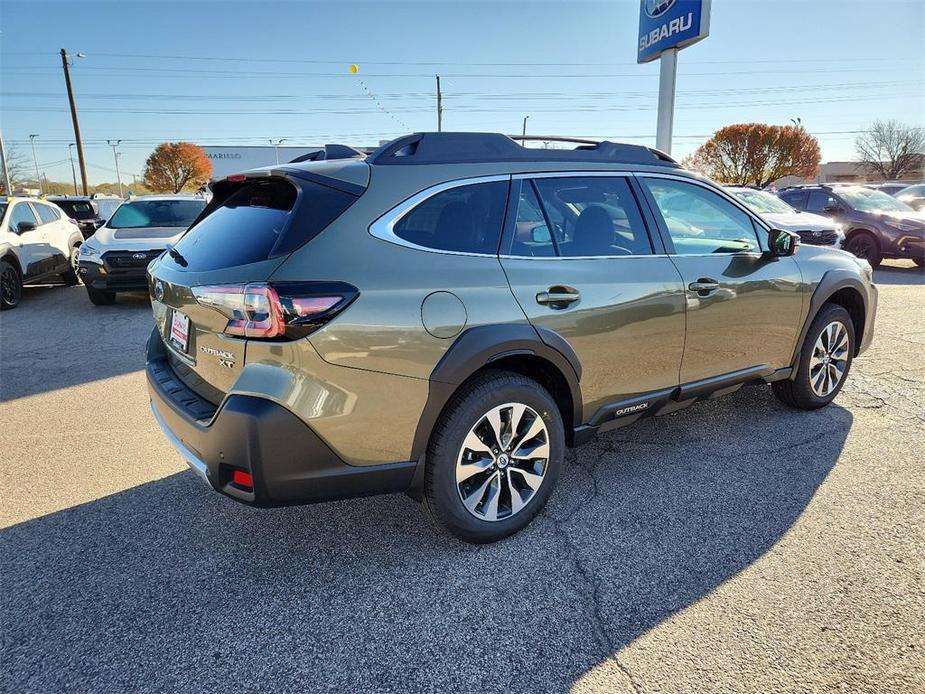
(704, 286)
(558, 297)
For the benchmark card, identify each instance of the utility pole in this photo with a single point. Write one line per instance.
(439, 106)
(73, 103)
(38, 179)
(525, 129)
(276, 147)
(70, 155)
(6, 170)
(115, 155)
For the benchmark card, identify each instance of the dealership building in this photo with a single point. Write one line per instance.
(233, 158)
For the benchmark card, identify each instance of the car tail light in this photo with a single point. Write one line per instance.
(242, 478)
(284, 310)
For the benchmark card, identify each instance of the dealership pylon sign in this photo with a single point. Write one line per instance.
(665, 24)
(665, 27)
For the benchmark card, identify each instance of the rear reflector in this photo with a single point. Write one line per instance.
(242, 479)
(276, 311)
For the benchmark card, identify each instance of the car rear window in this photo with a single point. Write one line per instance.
(78, 210)
(258, 220)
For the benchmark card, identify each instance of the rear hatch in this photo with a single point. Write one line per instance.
(210, 293)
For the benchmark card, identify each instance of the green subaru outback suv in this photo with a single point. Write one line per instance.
(444, 316)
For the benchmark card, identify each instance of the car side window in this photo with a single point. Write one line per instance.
(701, 221)
(46, 213)
(22, 212)
(795, 198)
(593, 216)
(819, 200)
(465, 219)
(532, 236)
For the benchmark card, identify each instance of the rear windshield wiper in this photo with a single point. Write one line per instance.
(177, 256)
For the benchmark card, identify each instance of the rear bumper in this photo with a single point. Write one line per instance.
(288, 461)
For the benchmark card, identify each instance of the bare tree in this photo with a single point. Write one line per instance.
(18, 165)
(891, 149)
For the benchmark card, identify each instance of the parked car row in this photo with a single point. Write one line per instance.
(864, 220)
(876, 225)
(106, 242)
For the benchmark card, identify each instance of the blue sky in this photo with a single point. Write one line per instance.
(243, 72)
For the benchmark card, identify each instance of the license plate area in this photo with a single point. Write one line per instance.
(179, 331)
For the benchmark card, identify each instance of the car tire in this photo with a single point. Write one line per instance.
(825, 360)
(475, 486)
(10, 286)
(101, 298)
(71, 278)
(863, 244)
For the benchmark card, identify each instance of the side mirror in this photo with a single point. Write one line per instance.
(830, 210)
(782, 243)
(23, 227)
(540, 234)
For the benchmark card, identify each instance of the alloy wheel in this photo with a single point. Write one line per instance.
(829, 359)
(502, 462)
(9, 285)
(862, 247)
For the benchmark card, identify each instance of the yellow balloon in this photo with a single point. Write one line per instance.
(354, 69)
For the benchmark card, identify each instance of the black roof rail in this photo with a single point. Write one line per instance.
(331, 152)
(463, 147)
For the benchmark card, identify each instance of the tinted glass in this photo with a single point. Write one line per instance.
(531, 233)
(142, 214)
(594, 216)
(78, 209)
(258, 220)
(701, 221)
(243, 229)
(819, 200)
(794, 198)
(46, 213)
(465, 219)
(22, 212)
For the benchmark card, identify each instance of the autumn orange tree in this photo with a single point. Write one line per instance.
(177, 166)
(757, 154)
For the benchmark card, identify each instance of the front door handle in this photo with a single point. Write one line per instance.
(558, 297)
(703, 286)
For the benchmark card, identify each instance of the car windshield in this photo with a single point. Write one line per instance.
(867, 200)
(761, 201)
(156, 213)
(912, 191)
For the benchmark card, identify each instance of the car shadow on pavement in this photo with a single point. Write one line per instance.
(56, 332)
(169, 586)
(899, 274)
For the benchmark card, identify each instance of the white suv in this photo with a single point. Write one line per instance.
(38, 242)
(116, 257)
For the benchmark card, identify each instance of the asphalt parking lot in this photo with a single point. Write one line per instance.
(735, 545)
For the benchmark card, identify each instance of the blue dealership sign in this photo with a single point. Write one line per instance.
(665, 24)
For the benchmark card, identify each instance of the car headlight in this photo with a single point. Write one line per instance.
(88, 252)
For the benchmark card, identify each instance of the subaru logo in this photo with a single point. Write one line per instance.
(139, 256)
(159, 290)
(817, 234)
(656, 8)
